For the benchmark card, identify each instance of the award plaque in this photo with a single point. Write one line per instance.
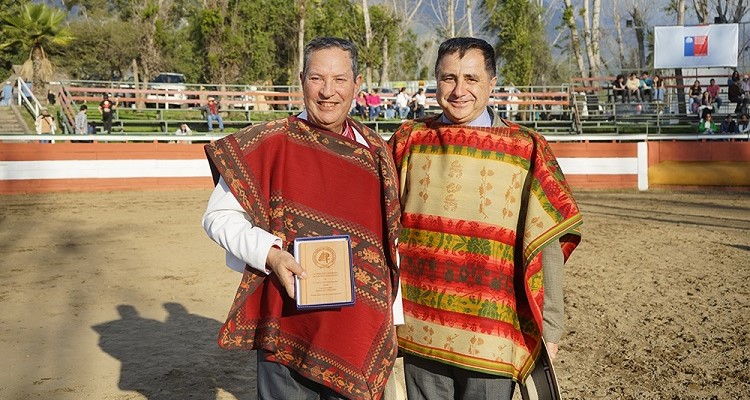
(330, 278)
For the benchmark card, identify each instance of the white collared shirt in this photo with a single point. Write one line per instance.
(484, 119)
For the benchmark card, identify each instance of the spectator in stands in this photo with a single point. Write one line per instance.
(647, 87)
(659, 90)
(633, 85)
(744, 125)
(419, 101)
(736, 94)
(361, 107)
(695, 96)
(706, 105)
(714, 89)
(707, 125)
(734, 79)
(107, 109)
(373, 104)
(619, 89)
(402, 103)
(213, 112)
(729, 125)
(7, 94)
(389, 108)
(51, 100)
(183, 130)
(81, 121)
(745, 85)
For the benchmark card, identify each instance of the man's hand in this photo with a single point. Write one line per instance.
(285, 267)
(552, 350)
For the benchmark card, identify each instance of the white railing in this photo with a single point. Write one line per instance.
(26, 98)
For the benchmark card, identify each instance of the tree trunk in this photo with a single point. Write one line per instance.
(300, 43)
(368, 43)
(384, 70)
(640, 35)
(587, 36)
(136, 79)
(596, 37)
(452, 18)
(36, 75)
(618, 21)
(678, 71)
(575, 41)
(469, 18)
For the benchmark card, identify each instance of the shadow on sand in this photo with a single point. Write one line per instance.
(175, 359)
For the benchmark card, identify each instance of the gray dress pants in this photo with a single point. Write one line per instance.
(277, 382)
(432, 380)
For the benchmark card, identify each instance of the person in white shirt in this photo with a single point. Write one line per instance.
(402, 103)
(420, 102)
(319, 173)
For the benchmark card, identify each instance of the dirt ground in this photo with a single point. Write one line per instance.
(120, 295)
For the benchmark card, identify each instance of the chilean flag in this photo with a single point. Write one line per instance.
(696, 46)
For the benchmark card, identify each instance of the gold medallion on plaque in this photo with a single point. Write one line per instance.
(324, 257)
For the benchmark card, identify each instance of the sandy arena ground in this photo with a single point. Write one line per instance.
(120, 295)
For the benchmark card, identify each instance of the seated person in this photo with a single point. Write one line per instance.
(361, 105)
(707, 125)
(714, 89)
(183, 130)
(695, 96)
(744, 125)
(706, 105)
(659, 90)
(633, 85)
(735, 78)
(373, 104)
(735, 95)
(647, 87)
(619, 89)
(728, 125)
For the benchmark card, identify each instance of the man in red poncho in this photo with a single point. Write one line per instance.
(318, 173)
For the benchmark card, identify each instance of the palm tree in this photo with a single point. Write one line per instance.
(36, 27)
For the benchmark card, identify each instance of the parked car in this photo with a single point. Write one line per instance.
(172, 82)
(245, 99)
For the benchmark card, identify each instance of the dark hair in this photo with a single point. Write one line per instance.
(84, 107)
(461, 45)
(323, 43)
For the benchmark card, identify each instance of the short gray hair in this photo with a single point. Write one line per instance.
(322, 43)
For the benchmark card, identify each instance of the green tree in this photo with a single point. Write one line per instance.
(13, 54)
(101, 50)
(34, 28)
(244, 41)
(521, 43)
